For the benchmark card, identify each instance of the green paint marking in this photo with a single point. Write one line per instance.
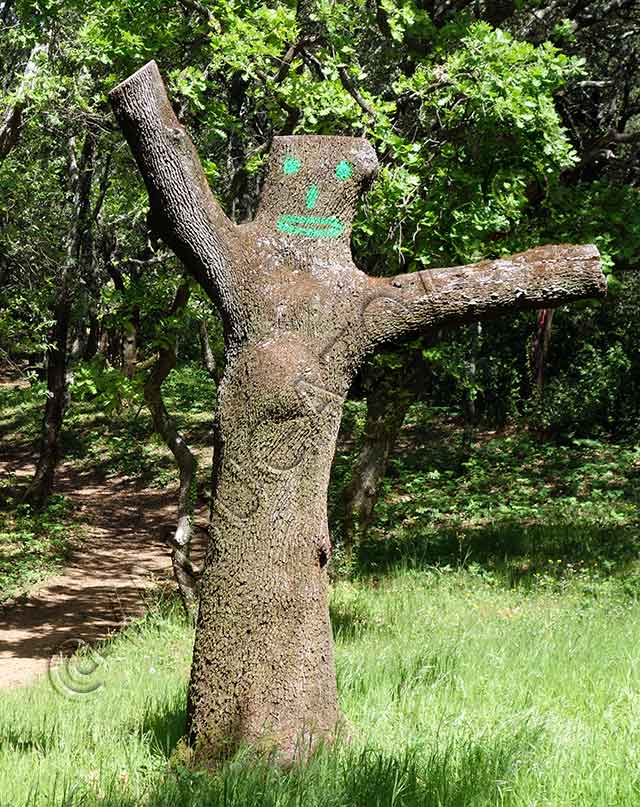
(311, 226)
(344, 170)
(312, 197)
(291, 165)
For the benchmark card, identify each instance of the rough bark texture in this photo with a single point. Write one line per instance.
(299, 319)
(165, 426)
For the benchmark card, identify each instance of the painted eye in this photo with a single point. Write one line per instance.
(291, 165)
(344, 170)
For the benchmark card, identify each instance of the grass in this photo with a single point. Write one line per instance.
(33, 545)
(487, 634)
(457, 691)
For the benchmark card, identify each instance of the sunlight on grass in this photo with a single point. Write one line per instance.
(456, 691)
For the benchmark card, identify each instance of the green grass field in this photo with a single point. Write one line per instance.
(456, 689)
(488, 636)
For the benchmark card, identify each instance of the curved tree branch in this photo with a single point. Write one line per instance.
(165, 426)
(544, 277)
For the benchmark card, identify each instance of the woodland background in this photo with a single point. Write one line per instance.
(502, 460)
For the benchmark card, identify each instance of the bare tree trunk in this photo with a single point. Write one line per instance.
(78, 250)
(540, 347)
(41, 485)
(469, 392)
(388, 400)
(130, 346)
(165, 426)
(299, 320)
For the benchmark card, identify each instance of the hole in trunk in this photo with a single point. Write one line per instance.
(323, 557)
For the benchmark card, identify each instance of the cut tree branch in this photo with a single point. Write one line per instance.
(545, 277)
(184, 211)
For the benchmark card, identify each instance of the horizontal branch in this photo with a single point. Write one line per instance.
(184, 211)
(544, 277)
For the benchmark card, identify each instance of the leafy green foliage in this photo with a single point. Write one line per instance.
(32, 545)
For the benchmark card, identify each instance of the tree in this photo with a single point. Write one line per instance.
(299, 320)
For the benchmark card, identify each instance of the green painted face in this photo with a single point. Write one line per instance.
(309, 225)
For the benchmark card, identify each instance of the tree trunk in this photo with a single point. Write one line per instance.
(130, 349)
(388, 400)
(263, 670)
(208, 359)
(165, 426)
(79, 250)
(540, 348)
(299, 319)
(41, 485)
(469, 391)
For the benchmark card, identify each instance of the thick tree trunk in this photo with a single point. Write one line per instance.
(299, 320)
(388, 400)
(263, 670)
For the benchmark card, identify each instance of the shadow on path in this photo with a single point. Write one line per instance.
(107, 580)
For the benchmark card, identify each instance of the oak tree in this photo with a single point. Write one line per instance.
(299, 319)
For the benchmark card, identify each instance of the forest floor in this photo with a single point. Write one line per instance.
(81, 571)
(104, 581)
(487, 632)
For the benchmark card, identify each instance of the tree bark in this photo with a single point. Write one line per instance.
(540, 347)
(79, 251)
(165, 426)
(299, 320)
(388, 400)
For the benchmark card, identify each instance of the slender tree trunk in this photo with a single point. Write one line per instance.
(208, 359)
(130, 348)
(78, 250)
(57, 400)
(165, 426)
(388, 400)
(540, 348)
(469, 392)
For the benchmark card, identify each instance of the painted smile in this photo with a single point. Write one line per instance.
(311, 226)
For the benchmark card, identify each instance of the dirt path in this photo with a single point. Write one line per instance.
(106, 582)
